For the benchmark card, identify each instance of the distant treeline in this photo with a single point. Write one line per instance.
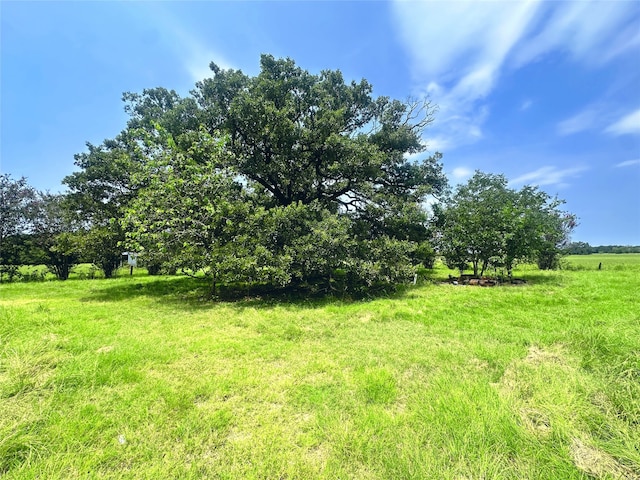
(583, 248)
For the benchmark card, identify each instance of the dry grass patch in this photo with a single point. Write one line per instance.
(599, 464)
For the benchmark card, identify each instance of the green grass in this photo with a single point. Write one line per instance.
(82, 271)
(609, 261)
(140, 378)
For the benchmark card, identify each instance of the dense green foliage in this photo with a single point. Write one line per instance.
(138, 378)
(98, 194)
(37, 228)
(313, 138)
(16, 198)
(285, 178)
(56, 235)
(487, 224)
(50, 229)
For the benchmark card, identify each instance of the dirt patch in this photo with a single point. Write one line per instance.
(599, 464)
(318, 454)
(478, 365)
(538, 356)
(515, 383)
(602, 403)
(536, 421)
(238, 436)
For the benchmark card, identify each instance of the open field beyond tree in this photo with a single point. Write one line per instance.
(137, 377)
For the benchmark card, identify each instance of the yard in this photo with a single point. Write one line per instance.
(138, 377)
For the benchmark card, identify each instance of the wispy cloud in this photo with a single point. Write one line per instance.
(601, 117)
(460, 174)
(478, 38)
(587, 119)
(460, 49)
(628, 163)
(526, 105)
(194, 53)
(462, 70)
(629, 124)
(549, 175)
(590, 32)
(456, 125)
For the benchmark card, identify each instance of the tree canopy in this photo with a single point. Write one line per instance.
(16, 206)
(249, 185)
(285, 178)
(16, 215)
(304, 138)
(486, 223)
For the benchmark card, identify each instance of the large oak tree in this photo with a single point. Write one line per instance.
(304, 138)
(282, 177)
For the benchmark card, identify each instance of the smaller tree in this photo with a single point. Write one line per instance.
(99, 194)
(101, 245)
(63, 254)
(17, 199)
(191, 215)
(486, 223)
(55, 234)
(476, 221)
(554, 240)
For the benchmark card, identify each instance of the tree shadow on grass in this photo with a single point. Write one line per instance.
(543, 278)
(174, 289)
(529, 278)
(195, 294)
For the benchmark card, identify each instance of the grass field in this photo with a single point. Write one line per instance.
(608, 261)
(137, 377)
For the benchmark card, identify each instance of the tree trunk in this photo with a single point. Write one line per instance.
(485, 264)
(213, 286)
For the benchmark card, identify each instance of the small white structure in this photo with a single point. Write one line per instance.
(132, 258)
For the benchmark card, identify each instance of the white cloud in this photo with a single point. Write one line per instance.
(458, 54)
(628, 163)
(194, 53)
(525, 105)
(627, 39)
(629, 124)
(461, 173)
(587, 119)
(456, 128)
(441, 36)
(459, 49)
(548, 176)
(599, 116)
(592, 32)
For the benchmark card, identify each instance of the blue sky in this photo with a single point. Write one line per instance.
(546, 93)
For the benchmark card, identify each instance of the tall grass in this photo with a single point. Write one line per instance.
(140, 378)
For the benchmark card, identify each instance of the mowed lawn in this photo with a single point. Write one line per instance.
(137, 377)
